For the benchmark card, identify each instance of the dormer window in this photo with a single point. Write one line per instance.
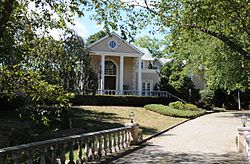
(112, 44)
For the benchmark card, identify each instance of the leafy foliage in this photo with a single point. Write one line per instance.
(175, 80)
(190, 107)
(169, 111)
(177, 105)
(207, 96)
(92, 38)
(152, 44)
(44, 72)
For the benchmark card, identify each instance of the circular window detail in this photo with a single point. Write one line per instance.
(112, 44)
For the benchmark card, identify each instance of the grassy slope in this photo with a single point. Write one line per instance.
(14, 131)
(115, 116)
(168, 111)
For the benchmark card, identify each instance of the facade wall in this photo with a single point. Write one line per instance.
(199, 82)
(128, 70)
(157, 64)
(122, 46)
(150, 77)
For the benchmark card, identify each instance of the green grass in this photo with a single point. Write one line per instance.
(172, 112)
(88, 118)
(95, 118)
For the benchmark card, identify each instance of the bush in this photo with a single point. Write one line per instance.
(116, 100)
(190, 107)
(207, 97)
(177, 105)
(217, 109)
(169, 111)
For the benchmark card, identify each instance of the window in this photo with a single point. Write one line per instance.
(142, 65)
(110, 68)
(112, 44)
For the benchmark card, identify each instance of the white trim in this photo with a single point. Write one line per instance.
(116, 76)
(116, 44)
(121, 73)
(98, 41)
(115, 54)
(136, 49)
(114, 34)
(139, 76)
(102, 71)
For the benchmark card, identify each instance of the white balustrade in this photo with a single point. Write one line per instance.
(89, 147)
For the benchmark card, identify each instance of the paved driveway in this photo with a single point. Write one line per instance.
(207, 139)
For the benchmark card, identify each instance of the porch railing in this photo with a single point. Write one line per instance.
(89, 147)
(136, 92)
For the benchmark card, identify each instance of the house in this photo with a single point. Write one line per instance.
(124, 69)
(117, 65)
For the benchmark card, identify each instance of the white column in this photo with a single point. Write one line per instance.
(102, 72)
(139, 76)
(121, 74)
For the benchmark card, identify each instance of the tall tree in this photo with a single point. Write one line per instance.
(154, 45)
(92, 38)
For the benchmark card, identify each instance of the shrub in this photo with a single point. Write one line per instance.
(190, 107)
(169, 111)
(207, 97)
(119, 100)
(217, 109)
(177, 105)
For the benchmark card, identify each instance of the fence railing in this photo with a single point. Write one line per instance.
(136, 93)
(89, 147)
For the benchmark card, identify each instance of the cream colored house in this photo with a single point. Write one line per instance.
(119, 72)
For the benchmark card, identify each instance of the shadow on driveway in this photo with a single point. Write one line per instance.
(148, 153)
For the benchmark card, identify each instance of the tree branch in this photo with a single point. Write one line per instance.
(5, 15)
(234, 46)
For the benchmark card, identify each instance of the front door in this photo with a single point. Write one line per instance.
(110, 83)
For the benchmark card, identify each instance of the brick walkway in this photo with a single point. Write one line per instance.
(207, 139)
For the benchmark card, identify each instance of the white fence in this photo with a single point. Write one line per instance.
(89, 147)
(136, 93)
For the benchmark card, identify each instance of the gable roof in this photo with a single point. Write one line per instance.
(94, 45)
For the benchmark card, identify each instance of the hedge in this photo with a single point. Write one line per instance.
(115, 100)
(169, 111)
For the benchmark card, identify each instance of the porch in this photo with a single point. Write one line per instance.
(137, 93)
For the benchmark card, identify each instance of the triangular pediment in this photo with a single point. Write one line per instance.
(118, 45)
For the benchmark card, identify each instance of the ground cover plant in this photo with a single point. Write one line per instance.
(176, 109)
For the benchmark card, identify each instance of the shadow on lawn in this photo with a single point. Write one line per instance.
(94, 121)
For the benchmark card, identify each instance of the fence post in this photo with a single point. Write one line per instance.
(241, 138)
(134, 132)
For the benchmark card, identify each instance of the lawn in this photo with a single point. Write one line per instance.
(14, 131)
(94, 118)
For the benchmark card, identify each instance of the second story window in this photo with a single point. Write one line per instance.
(142, 65)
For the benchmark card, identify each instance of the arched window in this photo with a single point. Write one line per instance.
(110, 68)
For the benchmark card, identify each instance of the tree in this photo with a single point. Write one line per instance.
(226, 21)
(93, 38)
(153, 45)
(175, 80)
(40, 70)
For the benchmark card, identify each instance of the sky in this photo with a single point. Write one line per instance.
(85, 27)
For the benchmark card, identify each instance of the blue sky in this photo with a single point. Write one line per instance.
(85, 27)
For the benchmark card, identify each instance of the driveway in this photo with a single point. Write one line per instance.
(207, 139)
